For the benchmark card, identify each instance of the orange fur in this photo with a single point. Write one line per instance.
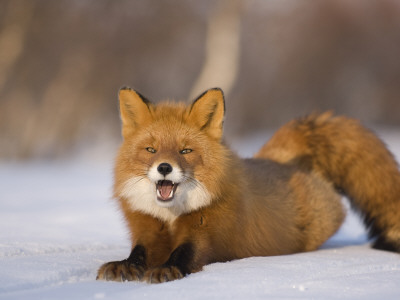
(189, 201)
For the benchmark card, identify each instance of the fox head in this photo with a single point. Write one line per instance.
(171, 158)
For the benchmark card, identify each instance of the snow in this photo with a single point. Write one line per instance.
(58, 224)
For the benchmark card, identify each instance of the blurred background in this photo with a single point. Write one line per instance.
(62, 63)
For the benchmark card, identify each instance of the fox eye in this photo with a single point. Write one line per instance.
(151, 150)
(185, 151)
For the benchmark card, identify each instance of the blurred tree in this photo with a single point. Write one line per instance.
(62, 63)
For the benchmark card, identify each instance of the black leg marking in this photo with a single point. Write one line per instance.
(138, 256)
(181, 258)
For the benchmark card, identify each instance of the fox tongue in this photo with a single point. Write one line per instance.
(165, 188)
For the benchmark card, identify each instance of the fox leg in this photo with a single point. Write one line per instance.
(151, 246)
(128, 269)
(178, 265)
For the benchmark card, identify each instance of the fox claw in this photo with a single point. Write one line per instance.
(120, 271)
(162, 274)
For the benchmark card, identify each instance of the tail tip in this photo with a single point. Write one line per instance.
(382, 243)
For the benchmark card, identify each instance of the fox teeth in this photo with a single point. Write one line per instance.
(169, 196)
(165, 189)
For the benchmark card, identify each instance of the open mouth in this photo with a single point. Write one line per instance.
(166, 190)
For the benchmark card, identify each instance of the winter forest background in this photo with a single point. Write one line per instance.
(62, 63)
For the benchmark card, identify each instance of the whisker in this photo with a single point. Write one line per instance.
(192, 181)
(138, 180)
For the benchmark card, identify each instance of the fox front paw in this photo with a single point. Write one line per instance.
(120, 271)
(162, 274)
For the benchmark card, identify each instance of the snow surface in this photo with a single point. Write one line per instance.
(58, 224)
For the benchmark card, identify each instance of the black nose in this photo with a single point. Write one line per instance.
(164, 168)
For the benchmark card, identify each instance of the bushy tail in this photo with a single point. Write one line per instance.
(355, 160)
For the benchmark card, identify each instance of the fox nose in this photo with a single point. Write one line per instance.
(164, 169)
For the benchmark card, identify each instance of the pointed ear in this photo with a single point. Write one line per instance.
(135, 110)
(208, 111)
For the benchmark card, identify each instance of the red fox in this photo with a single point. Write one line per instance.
(190, 201)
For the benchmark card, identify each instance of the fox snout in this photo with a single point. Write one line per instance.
(165, 188)
(164, 168)
(165, 171)
(166, 179)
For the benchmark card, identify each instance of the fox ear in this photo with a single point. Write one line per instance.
(135, 110)
(208, 111)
